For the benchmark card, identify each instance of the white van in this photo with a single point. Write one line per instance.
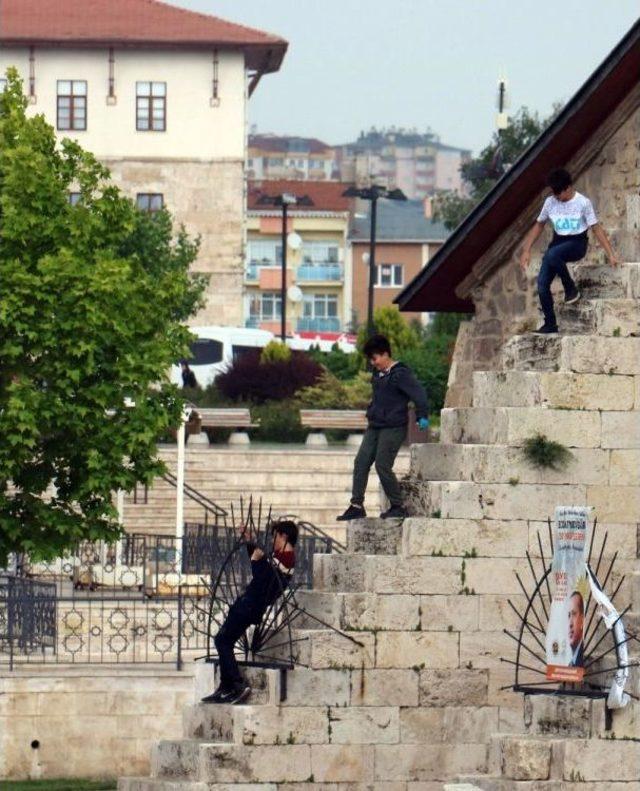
(217, 347)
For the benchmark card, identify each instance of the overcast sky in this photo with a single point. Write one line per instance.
(353, 64)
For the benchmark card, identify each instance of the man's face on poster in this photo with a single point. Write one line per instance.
(576, 620)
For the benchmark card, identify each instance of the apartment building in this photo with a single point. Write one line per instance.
(159, 94)
(285, 157)
(417, 163)
(407, 237)
(318, 271)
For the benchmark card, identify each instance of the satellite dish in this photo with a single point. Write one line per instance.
(294, 294)
(294, 241)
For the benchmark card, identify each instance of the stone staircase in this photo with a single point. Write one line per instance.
(314, 484)
(422, 701)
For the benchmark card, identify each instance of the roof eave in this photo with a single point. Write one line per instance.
(408, 296)
(265, 57)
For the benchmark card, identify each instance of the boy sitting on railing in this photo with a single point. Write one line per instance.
(271, 575)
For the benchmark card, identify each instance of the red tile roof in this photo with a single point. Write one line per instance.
(326, 195)
(289, 144)
(149, 23)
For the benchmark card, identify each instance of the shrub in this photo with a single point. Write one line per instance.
(247, 379)
(543, 453)
(359, 391)
(279, 422)
(330, 393)
(327, 393)
(274, 352)
(343, 365)
(430, 362)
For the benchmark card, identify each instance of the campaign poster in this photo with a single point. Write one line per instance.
(569, 588)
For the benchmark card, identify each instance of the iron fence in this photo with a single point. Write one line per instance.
(143, 599)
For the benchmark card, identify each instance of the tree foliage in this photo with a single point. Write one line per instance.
(389, 322)
(92, 303)
(343, 365)
(484, 171)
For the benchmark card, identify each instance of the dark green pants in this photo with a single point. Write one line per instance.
(379, 446)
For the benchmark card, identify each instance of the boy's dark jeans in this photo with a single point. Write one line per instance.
(236, 624)
(379, 446)
(554, 264)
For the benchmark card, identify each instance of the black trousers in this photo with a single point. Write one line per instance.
(236, 624)
(379, 446)
(554, 264)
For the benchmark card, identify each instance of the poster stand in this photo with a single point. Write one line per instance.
(604, 657)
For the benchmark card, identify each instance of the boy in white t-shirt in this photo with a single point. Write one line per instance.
(571, 215)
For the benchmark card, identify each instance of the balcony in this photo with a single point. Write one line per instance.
(319, 325)
(252, 270)
(320, 273)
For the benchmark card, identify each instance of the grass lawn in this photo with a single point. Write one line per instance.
(58, 785)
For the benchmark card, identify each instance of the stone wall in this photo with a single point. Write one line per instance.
(505, 300)
(87, 722)
(208, 198)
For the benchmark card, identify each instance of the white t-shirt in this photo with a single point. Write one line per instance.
(569, 217)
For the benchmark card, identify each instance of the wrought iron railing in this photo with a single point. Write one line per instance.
(27, 616)
(139, 600)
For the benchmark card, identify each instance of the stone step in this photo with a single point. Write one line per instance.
(495, 783)
(530, 758)
(607, 317)
(564, 717)
(578, 353)
(469, 500)
(503, 464)
(513, 425)
(265, 689)
(261, 724)
(597, 281)
(156, 784)
(497, 538)
(373, 536)
(555, 390)
(211, 762)
(275, 496)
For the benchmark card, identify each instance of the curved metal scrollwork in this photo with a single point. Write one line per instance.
(602, 655)
(272, 642)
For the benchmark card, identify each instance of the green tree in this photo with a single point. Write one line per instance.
(389, 322)
(92, 303)
(484, 171)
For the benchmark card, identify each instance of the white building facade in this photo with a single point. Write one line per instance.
(159, 95)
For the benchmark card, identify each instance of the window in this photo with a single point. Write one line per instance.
(265, 253)
(205, 351)
(275, 162)
(74, 198)
(266, 307)
(316, 163)
(72, 105)
(249, 163)
(151, 106)
(320, 253)
(150, 201)
(389, 275)
(320, 306)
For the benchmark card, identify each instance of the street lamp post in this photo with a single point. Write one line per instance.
(373, 195)
(284, 200)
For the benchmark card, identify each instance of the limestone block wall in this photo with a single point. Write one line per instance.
(88, 722)
(207, 197)
(506, 300)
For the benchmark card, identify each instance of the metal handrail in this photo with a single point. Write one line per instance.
(196, 496)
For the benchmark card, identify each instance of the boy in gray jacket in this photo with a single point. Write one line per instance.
(394, 386)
